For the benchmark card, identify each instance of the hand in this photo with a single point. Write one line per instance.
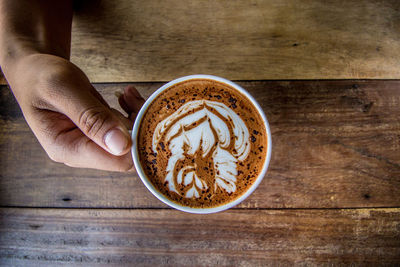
(69, 117)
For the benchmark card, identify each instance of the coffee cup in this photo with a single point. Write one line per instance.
(201, 144)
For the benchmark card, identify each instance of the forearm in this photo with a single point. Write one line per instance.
(33, 26)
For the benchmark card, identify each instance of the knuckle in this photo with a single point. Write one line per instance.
(58, 70)
(92, 120)
(55, 76)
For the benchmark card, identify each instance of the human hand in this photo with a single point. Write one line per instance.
(71, 120)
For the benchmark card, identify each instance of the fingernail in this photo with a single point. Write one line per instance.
(116, 141)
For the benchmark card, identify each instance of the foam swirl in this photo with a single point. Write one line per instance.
(211, 134)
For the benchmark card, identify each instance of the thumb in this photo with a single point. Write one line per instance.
(103, 127)
(98, 122)
(73, 95)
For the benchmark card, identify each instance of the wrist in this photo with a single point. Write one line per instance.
(28, 27)
(17, 50)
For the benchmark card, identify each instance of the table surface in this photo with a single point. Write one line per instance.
(325, 73)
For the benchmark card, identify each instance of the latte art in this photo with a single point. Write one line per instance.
(209, 134)
(201, 143)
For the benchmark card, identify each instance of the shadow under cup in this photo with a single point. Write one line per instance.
(160, 195)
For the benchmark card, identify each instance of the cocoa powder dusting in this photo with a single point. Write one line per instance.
(155, 164)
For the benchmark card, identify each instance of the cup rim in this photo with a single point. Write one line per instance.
(158, 194)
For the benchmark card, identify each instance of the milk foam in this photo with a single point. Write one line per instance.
(199, 126)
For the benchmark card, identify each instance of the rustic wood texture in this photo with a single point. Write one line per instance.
(124, 40)
(335, 144)
(159, 40)
(332, 192)
(234, 238)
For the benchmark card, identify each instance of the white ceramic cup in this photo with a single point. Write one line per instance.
(147, 182)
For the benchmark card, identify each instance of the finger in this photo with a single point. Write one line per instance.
(132, 117)
(64, 142)
(132, 99)
(96, 120)
(132, 90)
(84, 153)
(123, 104)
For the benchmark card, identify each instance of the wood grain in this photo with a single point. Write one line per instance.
(335, 144)
(234, 238)
(157, 40)
(124, 40)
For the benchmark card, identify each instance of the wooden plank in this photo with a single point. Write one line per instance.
(157, 40)
(335, 144)
(234, 238)
(123, 40)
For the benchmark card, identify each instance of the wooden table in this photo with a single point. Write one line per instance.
(332, 192)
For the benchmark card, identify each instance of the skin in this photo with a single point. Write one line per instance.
(71, 120)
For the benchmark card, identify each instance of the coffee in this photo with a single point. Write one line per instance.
(202, 143)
